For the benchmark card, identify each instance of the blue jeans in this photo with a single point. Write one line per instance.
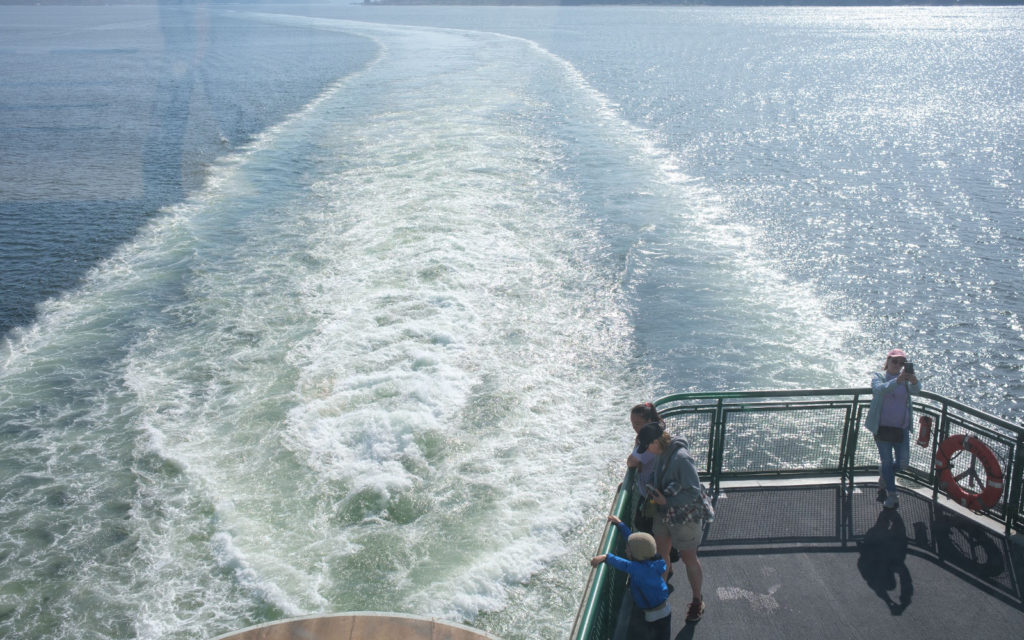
(894, 457)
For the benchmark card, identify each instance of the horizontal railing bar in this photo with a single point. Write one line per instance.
(858, 391)
(978, 413)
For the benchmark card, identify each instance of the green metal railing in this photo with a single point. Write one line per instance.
(748, 435)
(599, 610)
(814, 433)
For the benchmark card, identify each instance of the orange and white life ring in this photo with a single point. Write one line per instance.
(989, 496)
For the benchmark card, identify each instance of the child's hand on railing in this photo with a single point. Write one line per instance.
(614, 519)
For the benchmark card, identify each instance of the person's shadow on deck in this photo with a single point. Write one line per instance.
(883, 553)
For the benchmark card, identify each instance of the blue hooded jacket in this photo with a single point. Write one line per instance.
(646, 584)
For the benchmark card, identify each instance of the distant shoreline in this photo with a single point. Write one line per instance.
(706, 3)
(544, 3)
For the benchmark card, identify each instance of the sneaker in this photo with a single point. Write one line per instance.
(695, 611)
(891, 502)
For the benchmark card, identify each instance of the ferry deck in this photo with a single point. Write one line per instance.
(801, 547)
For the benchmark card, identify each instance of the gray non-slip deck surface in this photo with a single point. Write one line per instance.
(807, 562)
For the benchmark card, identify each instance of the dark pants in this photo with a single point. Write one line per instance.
(660, 629)
(642, 522)
(640, 629)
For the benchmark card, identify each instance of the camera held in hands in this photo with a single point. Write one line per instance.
(909, 368)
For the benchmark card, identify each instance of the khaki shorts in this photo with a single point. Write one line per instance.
(685, 536)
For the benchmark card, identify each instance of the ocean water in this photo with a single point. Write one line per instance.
(314, 308)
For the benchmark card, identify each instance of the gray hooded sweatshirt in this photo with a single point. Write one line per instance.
(676, 474)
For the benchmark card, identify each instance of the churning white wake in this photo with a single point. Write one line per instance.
(382, 361)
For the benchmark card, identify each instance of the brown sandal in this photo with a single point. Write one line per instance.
(695, 611)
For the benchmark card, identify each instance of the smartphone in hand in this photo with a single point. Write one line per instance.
(909, 368)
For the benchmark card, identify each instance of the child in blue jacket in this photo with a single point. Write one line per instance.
(645, 568)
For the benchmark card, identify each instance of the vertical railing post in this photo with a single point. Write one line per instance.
(934, 444)
(1015, 499)
(844, 444)
(716, 446)
(941, 433)
(849, 445)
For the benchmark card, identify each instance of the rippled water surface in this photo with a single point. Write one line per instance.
(343, 308)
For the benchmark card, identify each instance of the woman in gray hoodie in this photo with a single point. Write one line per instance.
(677, 492)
